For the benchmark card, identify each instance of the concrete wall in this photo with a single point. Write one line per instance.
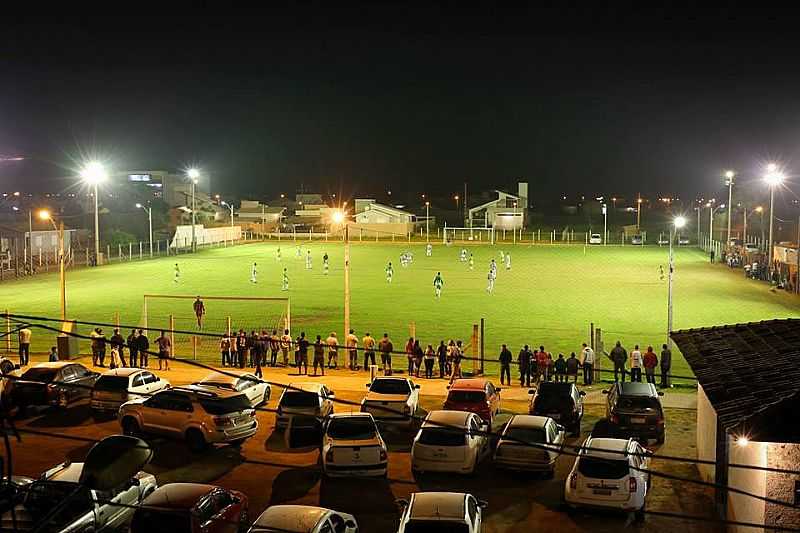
(740, 507)
(706, 434)
(781, 486)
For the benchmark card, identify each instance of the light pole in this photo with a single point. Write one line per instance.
(45, 215)
(711, 211)
(514, 229)
(93, 174)
(758, 209)
(605, 224)
(340, 217)
(638, 212)
(30, 240)
(149, 223)
(774, 177)
(456, 198)
(698, 208)
(229, 206)
(677, 224)
(193, 174)
(427, 221)
(729, 175)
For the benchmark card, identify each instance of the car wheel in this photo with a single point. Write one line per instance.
(195, 440)
(130, 426)
(265, 400)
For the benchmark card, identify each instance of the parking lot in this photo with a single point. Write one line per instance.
(268, 473)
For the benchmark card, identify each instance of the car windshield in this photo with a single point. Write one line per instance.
(40, 374)
(44, 495)
(552, 400)
(220, 384)
(435, 526)
(299, 399)
(356, 428)
(532, 435)
(221, 406)
(390, 386)
(442, 437)
(111, 383)
(466, 396)
(638, 403)
(156, 520)
(603, 468)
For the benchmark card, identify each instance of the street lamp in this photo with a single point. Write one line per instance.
(729, 175)
(149, 223)
(45, 215)
(94, 173)
(456, 198)
(427, 220)
(711, 210)
(638, 212)
(774, 177)
(193, 174)
(677, 224)
(229, 206)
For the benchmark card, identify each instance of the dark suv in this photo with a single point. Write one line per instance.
(562, 402)
(633, 410)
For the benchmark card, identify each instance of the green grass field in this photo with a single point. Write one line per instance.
(550, 296)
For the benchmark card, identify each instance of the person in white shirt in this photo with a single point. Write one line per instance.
(333, 350)
(254, 274)
(587, 362)
(429, 250)
(286, 343)
(352, 343)
(25, 335)
(636, 364)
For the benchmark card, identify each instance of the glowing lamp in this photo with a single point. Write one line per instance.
(93, 173)
(679, 222)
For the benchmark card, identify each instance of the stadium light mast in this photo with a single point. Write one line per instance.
(94, 173)
(729, 175)
(774, 177)
(638, 212)
(677, 224)
(149, 224)
(62, 273)
(193, 174)
(427, 220)
(229, 206)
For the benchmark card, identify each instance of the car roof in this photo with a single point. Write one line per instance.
(54, 364)
(294, 518)
(69, 473)
(446, 418)
(200, 390)
(469, 384)
(528, 421)
(551, 387)
(123, 372)
(605, 448)
(306, 386)
(350, 415)
(389, 378)
(438, 505)
(637, 389)
(178, 495)
(220, 377)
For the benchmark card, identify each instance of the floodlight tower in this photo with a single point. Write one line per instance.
(94, 173)
(677, 224)
(62, 279)
(149, 223)
(774, 177)
(193, 174)
(729, 175)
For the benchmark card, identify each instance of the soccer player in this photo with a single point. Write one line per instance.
(325, 264)
(508, 261)
(177, 276)
(278, 253)
(429, 250)
(661, 272)
(285, 281)
(299, 253)
(463, 257)
(502, 256)
(471, 262)
(389, 272)
(403, 260)
(493, 268)
(490, 282)
(437, 285)
(199, 311)
(254, 274)
(308, 260)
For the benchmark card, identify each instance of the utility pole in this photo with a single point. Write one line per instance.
(729, 175)
(346, 278)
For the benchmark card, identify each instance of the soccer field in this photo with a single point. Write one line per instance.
(550, 295)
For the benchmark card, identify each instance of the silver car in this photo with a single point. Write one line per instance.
(530, 443)
(303, 519)
(115, 387)
(256, 389)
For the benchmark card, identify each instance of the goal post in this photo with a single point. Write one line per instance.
(481, 235)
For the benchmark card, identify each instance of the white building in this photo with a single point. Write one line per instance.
(375, 213)
(508, 211)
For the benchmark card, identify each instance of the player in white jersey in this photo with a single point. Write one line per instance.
(508, 261)
(429, 250)
(325, 264)
(389, 272)
(463, 256)
(490, 282)
(471, 262)
(285, 281)
(308, 260)
(254, 274)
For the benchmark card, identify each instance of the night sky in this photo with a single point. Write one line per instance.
(413, 100)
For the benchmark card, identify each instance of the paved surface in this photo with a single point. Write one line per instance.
(269, 473)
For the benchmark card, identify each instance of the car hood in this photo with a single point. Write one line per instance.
(378, 397)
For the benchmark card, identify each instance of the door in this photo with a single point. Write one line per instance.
(66, 391)
(477, 440)
(138, 388)
(249, 387)
(494, 398)
(167, 412)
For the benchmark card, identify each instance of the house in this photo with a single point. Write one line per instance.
(507, 211)
(253, 212)
(375, 213)
(747, 396)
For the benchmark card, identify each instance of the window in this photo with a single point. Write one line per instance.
(244, 384)
(390, 386)
(149, 378)
(441, 437)
(489, 390)
(472, 509)
(552, 432)
(112, 383)
(603, 468)
(467, 396)
(138, 381)
(179, 403)
(67, 374)
(222, 499)
(204, 510)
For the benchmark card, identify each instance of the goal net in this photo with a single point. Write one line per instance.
(481, 235)
(223, 314)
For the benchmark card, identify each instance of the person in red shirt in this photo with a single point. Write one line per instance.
(650, 364)
(542, 362)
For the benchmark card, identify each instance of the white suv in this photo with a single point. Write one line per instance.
(609, 473)
(353, 446)
(441, 511)
(200, 416)
(303, 403)
(392, 400)
(450, 441)
(115, 387)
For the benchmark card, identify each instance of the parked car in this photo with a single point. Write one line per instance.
(305, 403)
(115, 387)
(199, 415)
(447, 512)
(611, 478)
(595, 238)
(392, 400)
(634, 410)
(89, 510)
(353, 446)
(191, 508)
(450, 441)
(735, 242)
(683, 241)
(474, 395)
(58, 384)
(562, 402)
(663, 240)
(303, 519)
(751, 247)
(637, 239)
(256, 389)
(530, 443)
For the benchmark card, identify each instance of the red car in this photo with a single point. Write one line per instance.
(474, 395)
(191, 508)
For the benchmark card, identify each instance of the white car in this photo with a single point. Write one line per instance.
(392, 400)
(595, 238)
(441, 512)
(303, 401)
(450, 441)
(88, 510)
(751, 247)
(637, 239)
(257, 390)
(611, 478)
(303, 519)
(353, 446)
(683, 241)
(530, 443)
(115, 387)
(663, 240)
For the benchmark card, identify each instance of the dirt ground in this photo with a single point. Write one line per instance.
(268, 473)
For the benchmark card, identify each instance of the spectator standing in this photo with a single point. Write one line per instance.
(441, 354)
(410, 355)
(351, 342)
(95, 339)
(225, 350)
(551, 367)
(133, 348)
(164, 350)
(505, 365)
(560, 367)
(573, 364)
(386, 348)
(542, 362)
(458, 355)
(587, 362)
(650, 363)
(451, 350)
(143, 343)
(418, 355)
(618, 356)
(53, 357)
(118, 343)
(635, 363)
(302, 352)
(319, 355)
(253, 348)
(24, 336)
(241, 348)
(333, 350)
(523, 362)
(261, 351)
(533, 366)
(286, 344)
(274, 347)
(369, 351)
(430, 357)
(666, 364)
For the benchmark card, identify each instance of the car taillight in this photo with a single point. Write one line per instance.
(383, 454)
(573, 480)
(222, 421)
(632, 484)
(614, 419)
(329, 456)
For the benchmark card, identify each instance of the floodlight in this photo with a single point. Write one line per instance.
(93, 173)
(338, 217)
(759, 209)
(774, 178)
(138, 206)
(679, 222)
(742, 441)
(772, 167)
(44, 214)
(193, 173)
(730, 174)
